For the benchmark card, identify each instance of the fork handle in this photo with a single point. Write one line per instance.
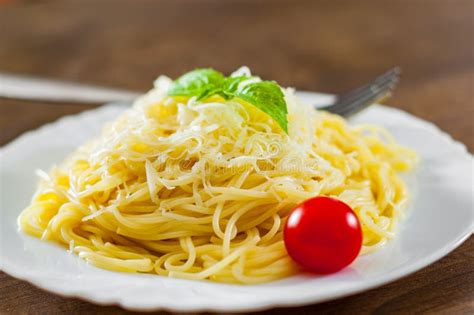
(38, 89)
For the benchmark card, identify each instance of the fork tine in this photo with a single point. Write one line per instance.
(381, 80)
(361, 92)
(370, 98)
(366, 95)
(368, 91)
(366, 101)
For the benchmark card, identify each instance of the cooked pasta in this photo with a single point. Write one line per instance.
(201, 189)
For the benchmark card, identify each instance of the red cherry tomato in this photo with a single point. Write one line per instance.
(323, 235)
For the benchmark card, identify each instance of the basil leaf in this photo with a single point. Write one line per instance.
(265, 95)
(268, 97)
(231, 85)
(200, 82)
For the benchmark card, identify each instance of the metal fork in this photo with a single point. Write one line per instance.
(358, 99)
(46, 90)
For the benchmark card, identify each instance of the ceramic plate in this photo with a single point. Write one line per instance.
(440, 218)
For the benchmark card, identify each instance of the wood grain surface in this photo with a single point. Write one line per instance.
(328, 46)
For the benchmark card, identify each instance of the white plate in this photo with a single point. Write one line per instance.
(440, 219)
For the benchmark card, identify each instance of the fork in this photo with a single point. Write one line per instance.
(360, 98)
(40, 89)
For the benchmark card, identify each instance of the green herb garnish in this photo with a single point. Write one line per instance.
(265, 95)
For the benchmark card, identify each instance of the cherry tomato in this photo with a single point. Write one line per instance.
(323, 235)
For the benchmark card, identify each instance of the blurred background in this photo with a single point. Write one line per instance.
(326, 46)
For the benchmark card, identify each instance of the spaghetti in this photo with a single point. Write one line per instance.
(201, 189)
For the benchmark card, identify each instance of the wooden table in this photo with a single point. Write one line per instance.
(328, 46)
